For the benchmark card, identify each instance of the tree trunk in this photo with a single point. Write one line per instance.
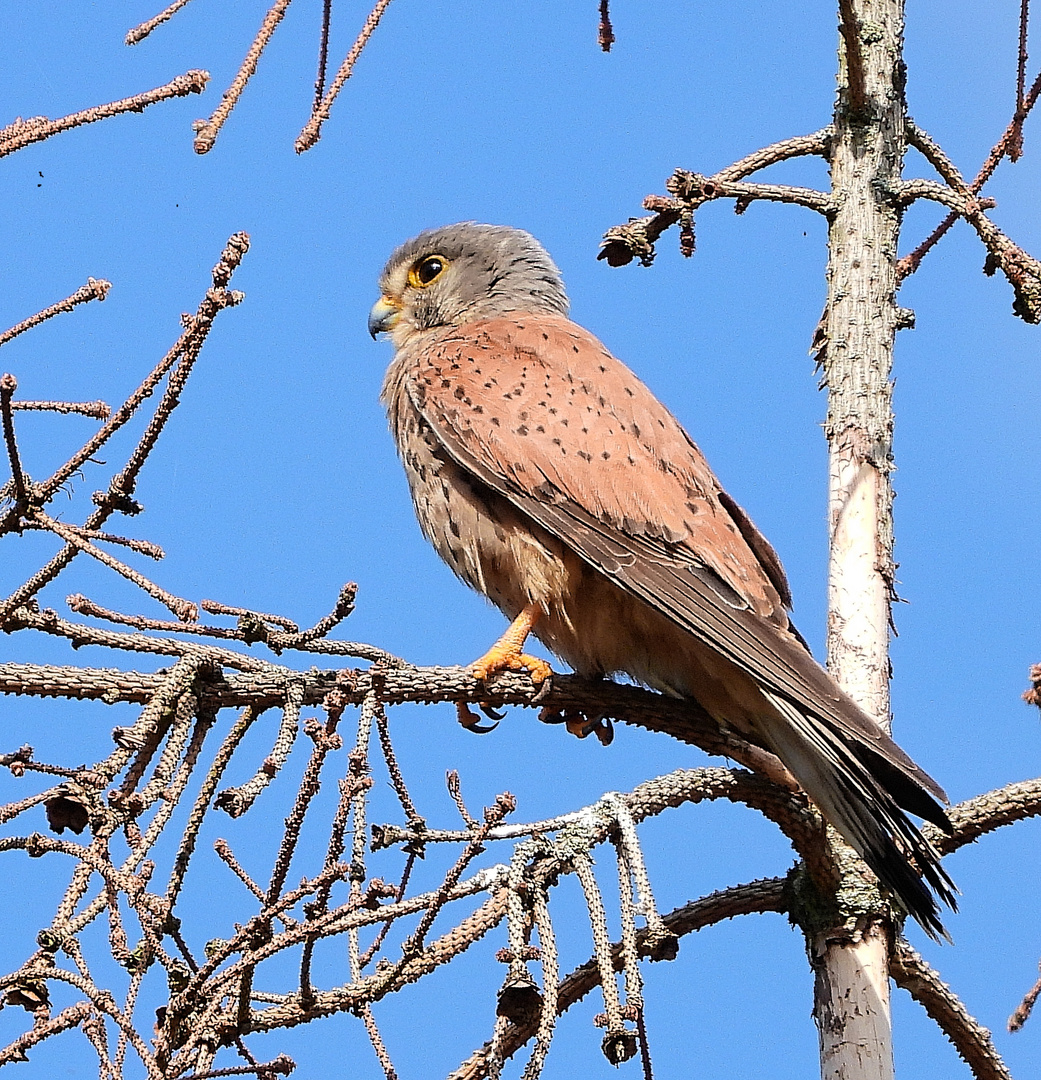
(851, 963)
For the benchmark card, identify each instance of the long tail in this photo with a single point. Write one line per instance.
(864, 797)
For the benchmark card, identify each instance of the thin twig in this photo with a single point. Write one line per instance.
(910, 262)
(71, 1017)
(549, 959)
(141, 31)
(84, 606)
(415, 821)
(618, 1042)
(323, 54)
(350, 786)
(122, 487)
(691, 190)
(504, 804)
(142, 547)
(235, 801)
(95, 289)
(202, 802)
(97, 410)
(8, 385)
(313, 128)
(377, 1043)
(227, 856)
(325, 740)
(645, 1046)
(283, 1065)
(214, 607)
(206, 131)
(605, 34)
(1016, 147)
(22, 133)
(757, 897)
(636, 239)
(183, 609)
(1025, 1007)
(1022, 270)
(377, 941)
(452, 781)
(48, 621)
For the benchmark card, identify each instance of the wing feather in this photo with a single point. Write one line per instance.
(539, 411)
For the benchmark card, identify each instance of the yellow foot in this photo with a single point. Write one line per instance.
(504, 657)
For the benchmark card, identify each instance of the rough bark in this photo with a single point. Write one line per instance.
(851, 964)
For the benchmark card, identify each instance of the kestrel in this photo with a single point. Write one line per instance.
(551, 480)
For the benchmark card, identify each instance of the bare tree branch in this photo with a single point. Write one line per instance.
(754, 898)
(313, 128)
(141, 31)
(121, 489)
(972, 1041)
(636, 239)
(206, 131)
(21, 133)
(95, 289)
(849, 28)
(985, 813)
(1011, 140)
(97, 410)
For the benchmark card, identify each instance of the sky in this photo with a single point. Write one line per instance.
(277, 480)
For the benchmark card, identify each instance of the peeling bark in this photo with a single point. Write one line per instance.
(851, 966)
(851, 1005)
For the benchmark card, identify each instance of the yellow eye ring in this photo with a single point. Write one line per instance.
(426, 271)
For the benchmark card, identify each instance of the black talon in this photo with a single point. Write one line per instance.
(471, 721)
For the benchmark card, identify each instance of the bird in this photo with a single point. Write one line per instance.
(552, 480)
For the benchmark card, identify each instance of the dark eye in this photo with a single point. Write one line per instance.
(424, 272)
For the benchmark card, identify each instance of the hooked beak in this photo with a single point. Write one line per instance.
(383, 316)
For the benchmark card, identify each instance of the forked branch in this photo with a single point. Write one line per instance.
(636, 239)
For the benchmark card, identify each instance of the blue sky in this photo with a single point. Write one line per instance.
(277, 480)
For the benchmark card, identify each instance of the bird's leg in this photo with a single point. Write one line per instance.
(506, 655)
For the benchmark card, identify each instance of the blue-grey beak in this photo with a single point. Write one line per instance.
(383, 316)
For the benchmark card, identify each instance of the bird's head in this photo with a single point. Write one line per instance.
(460, 273)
